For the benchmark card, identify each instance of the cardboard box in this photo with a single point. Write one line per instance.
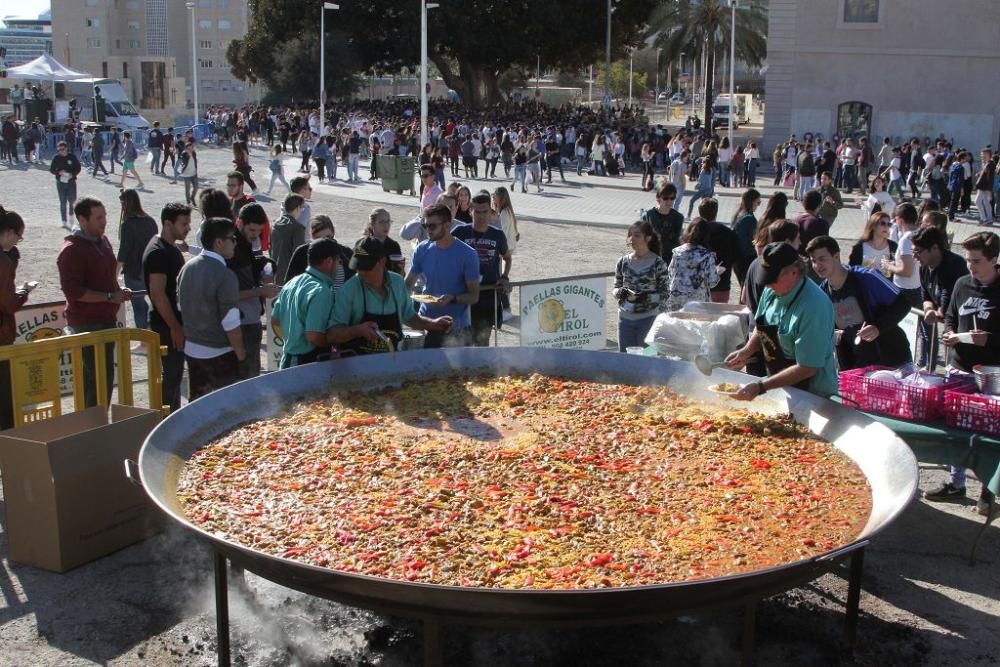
(68, 500)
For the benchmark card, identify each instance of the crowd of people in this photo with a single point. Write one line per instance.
(815, 313)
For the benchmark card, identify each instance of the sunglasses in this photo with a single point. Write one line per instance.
(666, 198)
(430, 226)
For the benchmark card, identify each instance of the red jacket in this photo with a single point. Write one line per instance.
(85, 264)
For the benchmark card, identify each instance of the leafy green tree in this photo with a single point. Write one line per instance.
(473, 43)
(619, 81)
(694, 27)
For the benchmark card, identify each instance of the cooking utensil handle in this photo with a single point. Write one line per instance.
(132, 472)
(840, 553)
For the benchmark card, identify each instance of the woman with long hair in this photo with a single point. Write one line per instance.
(874, 248)
(134, 233)
(379, 222)
(877, 197)
(508, 225)
(641, 286)
(12, 298)
(464, 213)
(305, 143)
(187, 169)
(725, 157)
(648, 167)
(777, 208)
(692, 273)
(241, 163)
(745, 226)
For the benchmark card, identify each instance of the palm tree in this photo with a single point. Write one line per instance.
(702, 26)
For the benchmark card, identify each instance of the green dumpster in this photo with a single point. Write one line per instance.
(396, 173)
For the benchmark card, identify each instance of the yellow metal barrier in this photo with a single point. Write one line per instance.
(34, 371)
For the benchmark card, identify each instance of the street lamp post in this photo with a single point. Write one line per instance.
(630, 55)
(424, 85)
(656, 100)
(607, 59)
(322, 64)
(732, 69)
(194, 63)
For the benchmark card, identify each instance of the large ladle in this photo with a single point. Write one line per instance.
(705, 364)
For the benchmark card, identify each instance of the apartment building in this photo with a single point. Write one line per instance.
(125, 40)
(216, 24)
(896, 68)
(147, 44)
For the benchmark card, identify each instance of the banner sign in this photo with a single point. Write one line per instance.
(48, 320)
(564, 314)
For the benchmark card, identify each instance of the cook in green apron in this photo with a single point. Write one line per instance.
(794, 330)
(372, 306)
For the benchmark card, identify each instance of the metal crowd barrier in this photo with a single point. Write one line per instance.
(35, 370)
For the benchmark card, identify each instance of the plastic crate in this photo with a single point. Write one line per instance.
(893, 399)
(966, 409)
(852, 385)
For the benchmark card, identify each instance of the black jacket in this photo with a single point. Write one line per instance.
(300, 262)
(878, 307)
(936, 284)
(974, 304)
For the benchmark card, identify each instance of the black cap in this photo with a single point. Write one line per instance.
(321, 249)
(367, 252)
(777, 256)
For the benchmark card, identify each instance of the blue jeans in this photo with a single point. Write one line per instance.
(140, 309)
(806, 183)
(632, 333)
(520, 174)
(352, 167)
(724, 174)
(752, 173)
(156, 160)
(850, 177)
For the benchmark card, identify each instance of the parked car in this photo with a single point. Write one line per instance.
(679, 97)
(664, 96)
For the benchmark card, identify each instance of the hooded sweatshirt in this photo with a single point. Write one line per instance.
(86, 263)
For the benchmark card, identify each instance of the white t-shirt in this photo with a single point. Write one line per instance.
(871, 258)
(906, 249)
(894, 173)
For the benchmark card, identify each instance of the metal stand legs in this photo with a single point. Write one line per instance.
(749, 633)
(857, 567)
(222, 610)
(994, 511)
(433, 644)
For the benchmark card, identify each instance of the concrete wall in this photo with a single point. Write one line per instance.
(927, 68)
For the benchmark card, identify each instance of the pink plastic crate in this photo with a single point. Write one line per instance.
(852, 385)
(893, 399)
(966, 409)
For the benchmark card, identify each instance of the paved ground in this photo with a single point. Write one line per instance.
(151, 604)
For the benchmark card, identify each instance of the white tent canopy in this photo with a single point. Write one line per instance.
(45, 68)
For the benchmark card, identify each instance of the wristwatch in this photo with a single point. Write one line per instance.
(761, 389)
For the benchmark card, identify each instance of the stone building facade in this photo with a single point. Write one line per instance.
(897, 68)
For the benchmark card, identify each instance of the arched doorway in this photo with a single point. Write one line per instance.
(854, 120)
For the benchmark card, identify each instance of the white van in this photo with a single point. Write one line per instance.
(118, 110)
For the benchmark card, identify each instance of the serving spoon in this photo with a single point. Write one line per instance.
(705, 364)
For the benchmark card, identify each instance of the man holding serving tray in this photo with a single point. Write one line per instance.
(450, 269)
